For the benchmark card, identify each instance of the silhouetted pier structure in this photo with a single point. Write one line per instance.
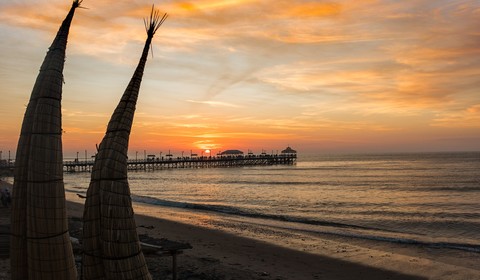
(191, 162)
(229, 158)
(6, 165)
(6, 169)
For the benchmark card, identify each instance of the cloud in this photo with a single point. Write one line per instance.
(44, 15)
(467, 118)
(83, 130)
(294, 67)
(215, 103)
(424, 64)
(83, 114)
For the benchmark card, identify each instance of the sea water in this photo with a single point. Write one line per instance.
(418, 198)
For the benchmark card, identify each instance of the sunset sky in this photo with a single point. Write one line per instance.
(320, 76)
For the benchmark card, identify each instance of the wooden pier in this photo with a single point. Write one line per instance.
(191, 162)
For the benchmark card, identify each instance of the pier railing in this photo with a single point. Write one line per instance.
(6, 168)
(190, 162)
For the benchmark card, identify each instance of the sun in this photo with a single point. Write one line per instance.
(207, 151)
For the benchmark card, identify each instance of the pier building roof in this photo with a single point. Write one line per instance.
(289, 150)
(232, 152)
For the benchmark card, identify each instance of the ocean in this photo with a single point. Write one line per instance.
(430, 199)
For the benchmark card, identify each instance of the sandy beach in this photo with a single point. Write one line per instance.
(244, 253)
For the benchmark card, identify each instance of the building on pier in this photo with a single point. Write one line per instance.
(289, 151)
(231, 153)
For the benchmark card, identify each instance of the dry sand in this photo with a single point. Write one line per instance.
(243, 253)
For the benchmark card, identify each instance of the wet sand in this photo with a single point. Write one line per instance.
(226, 249)
(256, 252)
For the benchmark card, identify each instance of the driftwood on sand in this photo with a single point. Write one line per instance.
(110, 242)
(40, 245)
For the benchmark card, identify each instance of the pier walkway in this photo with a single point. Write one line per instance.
(191, 162)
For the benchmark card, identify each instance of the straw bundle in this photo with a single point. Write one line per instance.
(110, 242)
(40, 246)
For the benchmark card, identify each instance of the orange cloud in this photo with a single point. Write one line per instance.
(315, 9)
(31, 16)
(474, 109)
(187, 6)
(469, 117)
